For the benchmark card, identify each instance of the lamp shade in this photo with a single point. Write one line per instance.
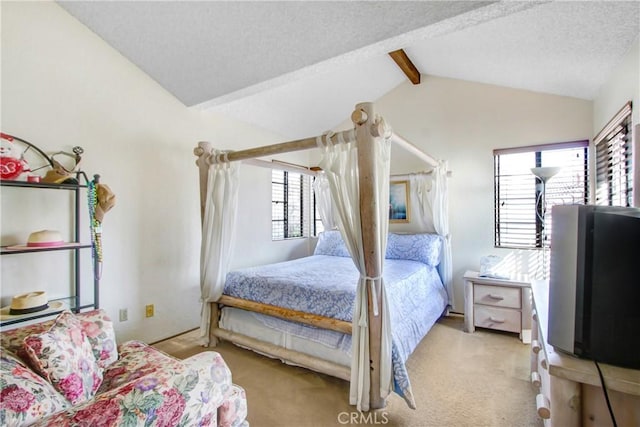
(545, 173)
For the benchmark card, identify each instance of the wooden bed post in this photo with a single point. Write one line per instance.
(363, 118)
(203, 151)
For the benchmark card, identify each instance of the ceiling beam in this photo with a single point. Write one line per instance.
(405, 64)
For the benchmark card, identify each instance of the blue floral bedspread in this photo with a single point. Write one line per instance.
(326, 285)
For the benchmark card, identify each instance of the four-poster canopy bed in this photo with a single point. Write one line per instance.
(356, 166)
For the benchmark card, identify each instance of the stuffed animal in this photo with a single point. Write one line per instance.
(13, 166)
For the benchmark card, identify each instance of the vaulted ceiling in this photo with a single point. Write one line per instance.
(298, 67)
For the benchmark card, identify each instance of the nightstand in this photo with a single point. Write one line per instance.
(501, 304)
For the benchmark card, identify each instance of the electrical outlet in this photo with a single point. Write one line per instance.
(149, 310)
(124, 315)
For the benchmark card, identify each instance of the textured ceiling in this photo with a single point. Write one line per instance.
(200, 50)
(297, 68)
(564, 48)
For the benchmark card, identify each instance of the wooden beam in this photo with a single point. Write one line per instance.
(288, 314)
(275, 164)
(430, 160)
(203, 150)
(400, 57)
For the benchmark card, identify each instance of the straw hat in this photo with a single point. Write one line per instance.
(106, 200)
(43, 239)
(59, 175)
(30, 302)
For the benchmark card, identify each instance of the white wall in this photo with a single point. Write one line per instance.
(63, 86)
(621, 87)
(462, 122)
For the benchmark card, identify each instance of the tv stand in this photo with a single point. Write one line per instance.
(570, 393)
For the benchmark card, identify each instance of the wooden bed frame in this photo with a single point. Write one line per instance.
(368, 128)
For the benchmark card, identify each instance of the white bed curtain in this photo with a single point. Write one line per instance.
(323, 201)
(430, 204)
(340, 164)
(438, 199)
(218, 235)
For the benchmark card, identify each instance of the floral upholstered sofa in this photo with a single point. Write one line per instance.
(69, 372)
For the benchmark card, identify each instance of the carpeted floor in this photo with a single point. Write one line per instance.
(458, 379)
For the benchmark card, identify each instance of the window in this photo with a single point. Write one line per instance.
(518, 193)
(318, 227)
(293, 211)
(614, 151)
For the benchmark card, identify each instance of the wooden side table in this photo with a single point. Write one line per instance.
(499, 304)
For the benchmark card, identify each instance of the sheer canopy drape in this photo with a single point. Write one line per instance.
(438, 199)
(323, 201)
(218, 236)
(430, 205)
(340, 163)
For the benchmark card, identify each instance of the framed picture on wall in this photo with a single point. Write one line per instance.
(399, 209)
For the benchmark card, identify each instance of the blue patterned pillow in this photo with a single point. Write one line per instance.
(424, 248)
(330, 243)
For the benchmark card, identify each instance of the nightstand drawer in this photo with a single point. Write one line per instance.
(502, 319)
(499, 296)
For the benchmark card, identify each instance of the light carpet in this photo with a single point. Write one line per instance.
(458, 379)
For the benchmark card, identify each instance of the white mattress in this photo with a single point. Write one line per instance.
(246, 323)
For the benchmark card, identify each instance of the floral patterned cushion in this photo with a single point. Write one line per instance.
(25, 396)
(137, 360)
(98, 328)
(96, 325)
(13, 339)
(63, 356)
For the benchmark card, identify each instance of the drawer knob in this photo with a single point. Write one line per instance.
(535, 379)
(496, 319)
(542, 405)
(496, 297)
(535, 346)
(534, 315)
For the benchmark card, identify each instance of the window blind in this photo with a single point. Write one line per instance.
(614, 161)
(518, 197)
(318, 227)
(290, 205)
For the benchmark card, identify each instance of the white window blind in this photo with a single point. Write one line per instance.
(292, 205)
(614, 161)
(518, 193)
(318, 227)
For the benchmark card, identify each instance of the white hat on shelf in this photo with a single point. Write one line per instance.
(29, 303)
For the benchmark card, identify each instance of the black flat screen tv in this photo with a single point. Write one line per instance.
(594, 283)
